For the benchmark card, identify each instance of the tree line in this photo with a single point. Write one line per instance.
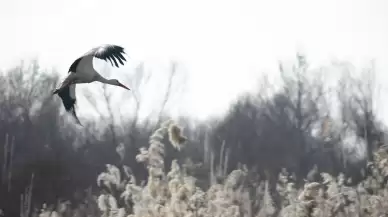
(304, 125)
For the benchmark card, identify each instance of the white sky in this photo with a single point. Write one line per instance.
(223, 44)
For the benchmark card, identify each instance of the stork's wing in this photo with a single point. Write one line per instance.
(109, 52)
(67, 94)
(74, 65)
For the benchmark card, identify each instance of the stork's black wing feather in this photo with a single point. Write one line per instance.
(73, 67)
(109, 52)
(68, 102)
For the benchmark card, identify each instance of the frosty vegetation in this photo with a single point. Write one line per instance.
(305, 149)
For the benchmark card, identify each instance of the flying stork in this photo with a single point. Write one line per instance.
(82, 71)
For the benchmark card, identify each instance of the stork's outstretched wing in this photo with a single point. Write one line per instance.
(113, 53)
(67, 95)
(109, 52)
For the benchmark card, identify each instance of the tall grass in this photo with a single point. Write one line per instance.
(174, 193)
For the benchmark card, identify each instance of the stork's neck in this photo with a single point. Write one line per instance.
(104, 80)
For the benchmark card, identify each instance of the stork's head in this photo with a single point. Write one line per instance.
(117, 83)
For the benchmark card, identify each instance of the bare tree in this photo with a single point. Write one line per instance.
(305, 92)
(175, 87)
(31, 116)
(276, 128)
(358, 106)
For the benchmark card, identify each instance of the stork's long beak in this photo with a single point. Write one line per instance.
(123, 86)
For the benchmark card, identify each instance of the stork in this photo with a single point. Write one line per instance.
(82, 71)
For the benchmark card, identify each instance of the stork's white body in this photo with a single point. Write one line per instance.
(82, 71)
(85, 70)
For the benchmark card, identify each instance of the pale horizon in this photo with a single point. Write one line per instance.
(223, 45)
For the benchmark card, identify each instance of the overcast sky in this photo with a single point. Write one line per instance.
(229, 43)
